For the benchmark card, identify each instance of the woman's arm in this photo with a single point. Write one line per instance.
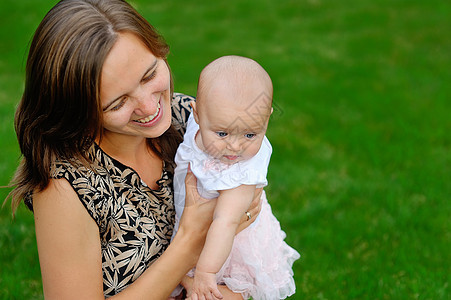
(68, 244)
(70, 253)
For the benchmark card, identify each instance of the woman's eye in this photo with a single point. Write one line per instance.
(250, 135)
(117, 107)
(221, 134)
(150, 77)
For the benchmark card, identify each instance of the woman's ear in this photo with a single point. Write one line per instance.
(194, 110)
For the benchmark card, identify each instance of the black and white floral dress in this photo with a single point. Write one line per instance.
(135, 222)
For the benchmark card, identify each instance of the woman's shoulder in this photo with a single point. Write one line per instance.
(57, 189)
(75, 170)
(90, 183)
(182, 98)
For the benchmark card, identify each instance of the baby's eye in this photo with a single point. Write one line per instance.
(250, 135)
(221, 133)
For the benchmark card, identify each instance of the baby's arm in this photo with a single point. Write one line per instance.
(230, 207)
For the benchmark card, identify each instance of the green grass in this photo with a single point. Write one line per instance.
(360, 175)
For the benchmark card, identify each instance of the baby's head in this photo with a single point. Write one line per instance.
(234, 102)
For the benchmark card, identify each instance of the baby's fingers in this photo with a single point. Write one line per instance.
(216, 293)
(193, 297)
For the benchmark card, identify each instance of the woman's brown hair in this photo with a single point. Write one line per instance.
(60, 115)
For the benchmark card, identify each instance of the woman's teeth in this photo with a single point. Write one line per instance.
(151, 117)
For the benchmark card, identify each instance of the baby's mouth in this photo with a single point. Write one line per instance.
(231, 157)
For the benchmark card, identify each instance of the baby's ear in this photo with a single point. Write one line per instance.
(272, 109)
(194, 110)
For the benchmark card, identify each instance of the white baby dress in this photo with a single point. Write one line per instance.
(260, 263)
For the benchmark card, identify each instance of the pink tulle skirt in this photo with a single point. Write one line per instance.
(260, 263)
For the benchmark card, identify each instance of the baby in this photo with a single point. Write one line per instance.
(227, 150)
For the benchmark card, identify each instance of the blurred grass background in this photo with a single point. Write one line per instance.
(360, 175)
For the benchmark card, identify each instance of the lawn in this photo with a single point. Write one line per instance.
(361, 169)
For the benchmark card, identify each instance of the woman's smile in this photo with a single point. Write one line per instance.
(152, 119)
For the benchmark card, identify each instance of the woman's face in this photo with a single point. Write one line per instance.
(134, 91)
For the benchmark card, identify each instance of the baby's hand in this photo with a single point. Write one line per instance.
(205, 287)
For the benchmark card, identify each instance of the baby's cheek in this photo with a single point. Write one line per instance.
(252, 149)
(214, 149)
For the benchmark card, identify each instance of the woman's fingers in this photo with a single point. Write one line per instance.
(198, 212)
(192, 195)
(256, 205)
(216, 294)
(258, 196)
(252, 212)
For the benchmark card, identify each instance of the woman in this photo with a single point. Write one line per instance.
(95, 130)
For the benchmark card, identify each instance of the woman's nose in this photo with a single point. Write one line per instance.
(146, 103)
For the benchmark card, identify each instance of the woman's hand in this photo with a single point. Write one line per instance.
(197, 214)
(253, 211)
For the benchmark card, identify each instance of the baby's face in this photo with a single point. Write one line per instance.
(232, 131)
